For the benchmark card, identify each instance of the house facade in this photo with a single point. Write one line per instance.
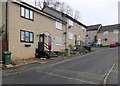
(75, 31)
(92, 31)
(27, 27)
(109, 34)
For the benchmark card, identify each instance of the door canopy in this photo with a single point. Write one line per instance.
(46, 33)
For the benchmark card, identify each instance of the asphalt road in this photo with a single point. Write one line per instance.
(86, 69)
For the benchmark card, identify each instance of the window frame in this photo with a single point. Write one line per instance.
(89, 32)
(59, 40)
(25, 36)
(25, 13)
(71, 36)
(59, 25)
(71, 23)
(116, 32)
(90, 37)
(115, 40)
(105, 32)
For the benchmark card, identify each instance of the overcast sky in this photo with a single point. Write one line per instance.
(93, 12)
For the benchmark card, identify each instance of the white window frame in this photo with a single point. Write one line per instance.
(116, 31)
(115, 39)
(58, 25)
(89, 32)
(105, 32)
(83, 29)
(89, 37)
(58, 41)
(70, 36)
(70, 22)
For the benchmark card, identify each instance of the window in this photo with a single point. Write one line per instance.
(89, 38)
(71, 36)
(105, 32)
(58, 25)
(83, 29)
(22, 11)
(105, 40)
(83, 39)
(27, 13)
(116, 32)
(89, 32)
(79, 38)
(70, 22)
(26, 36)
(58, 41)
(115, 39)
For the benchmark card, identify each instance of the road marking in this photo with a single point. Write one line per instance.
(72, 59)
(106, 75)
(68, 77)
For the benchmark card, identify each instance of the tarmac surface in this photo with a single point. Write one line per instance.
(90, 68)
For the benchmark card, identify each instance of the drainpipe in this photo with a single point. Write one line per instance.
(66, 36)
(6, 24)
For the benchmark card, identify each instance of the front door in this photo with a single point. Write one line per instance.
(41, 42)
(75, 40)
(49, 42)
(99, 41)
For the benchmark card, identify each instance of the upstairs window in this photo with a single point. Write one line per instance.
(26, 36)
(83, 29)
(89, 32)
(70, 22)
(105, 32)
(116, 32)
(27, 13)
(58, 25)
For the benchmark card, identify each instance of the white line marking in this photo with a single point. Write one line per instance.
(68, 77)
(72, 59)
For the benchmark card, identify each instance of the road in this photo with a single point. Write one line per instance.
(90, 68)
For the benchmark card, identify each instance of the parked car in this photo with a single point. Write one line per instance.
(113, 44)
(118, 44)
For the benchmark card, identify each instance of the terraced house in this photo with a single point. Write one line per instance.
(30, 31)
(103, 35)
(109, 34)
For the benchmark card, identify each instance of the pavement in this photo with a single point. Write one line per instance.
(90, 68)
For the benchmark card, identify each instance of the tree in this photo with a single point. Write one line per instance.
(77, 15)
(1, 29)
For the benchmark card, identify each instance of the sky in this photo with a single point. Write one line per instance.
(92, 12)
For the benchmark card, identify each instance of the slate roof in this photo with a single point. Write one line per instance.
(110, 27)
(93, 27)
(65, 15)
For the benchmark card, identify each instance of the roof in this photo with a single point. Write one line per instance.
(110, 27)
(93, 27)
(66, 16)
(18, 2)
